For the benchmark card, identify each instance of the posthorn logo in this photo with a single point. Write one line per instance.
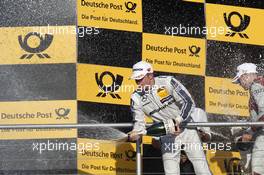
(244, 23)
(44, 43)
(130, 6)
(62, 113)
(106, 89)
(194, 51)
(130, 155)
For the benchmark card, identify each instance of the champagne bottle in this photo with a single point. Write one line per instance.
(160, 129)
(157, 130)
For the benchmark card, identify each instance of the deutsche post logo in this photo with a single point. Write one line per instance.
(116, 83)
(62, 113)
(44, 43)
(130, 155)
(194, 51)
(244, 22)
(130, 6)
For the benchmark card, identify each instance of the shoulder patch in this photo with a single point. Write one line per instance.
(162, 92)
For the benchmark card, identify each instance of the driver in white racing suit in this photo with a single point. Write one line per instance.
(165, 99)
(247, 78)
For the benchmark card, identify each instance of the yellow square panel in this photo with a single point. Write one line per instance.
(104, 84)
(234, 24)
(111, 14)
(106, 157)
(38, 45)
(174, 54)
(224, 97)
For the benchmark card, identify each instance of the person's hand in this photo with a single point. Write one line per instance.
(205, 137)
(133, 136)
(177, 130)
(177, 123)
(246, 137)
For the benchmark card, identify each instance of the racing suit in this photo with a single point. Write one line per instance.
(169, 99)
(256, 107)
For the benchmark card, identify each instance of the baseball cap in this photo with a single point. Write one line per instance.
(244, 68)
(140, 69)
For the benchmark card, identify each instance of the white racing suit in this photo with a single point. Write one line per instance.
(256, 106)
(169, 99)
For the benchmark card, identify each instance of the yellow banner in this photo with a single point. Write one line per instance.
(217, 161)
(38, 45)
(111, 14)
(13, 134)
(244, 24)
(104, 84)
(174, 54)
(224, 97)
(38, 112)
(106, 157)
